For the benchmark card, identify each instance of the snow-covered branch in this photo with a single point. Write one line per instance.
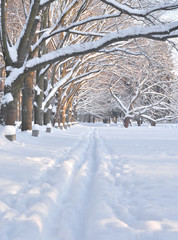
(48, 33)
(80, 49)
(140, 12)
(121, 104)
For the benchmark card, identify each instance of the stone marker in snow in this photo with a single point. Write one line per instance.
(48, 127)
(35, 130)
(10, 132)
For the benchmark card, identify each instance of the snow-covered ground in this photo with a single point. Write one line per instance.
(90, 182)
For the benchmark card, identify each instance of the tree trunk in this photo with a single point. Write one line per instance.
(64, 114)
(70, 107)
(38, 112)
(115, 119)
(56, 118)
(19, 108)
(89, 118)
(153, 124)
(74, 114)
(9, 113)
(126, 122)
(47, 116)
(139, 122)
(94, 119)
(27, 103)
(9, 107)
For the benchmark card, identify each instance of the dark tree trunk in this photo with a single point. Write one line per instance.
(106, 120)
(38, 112)
(153, 124)
(3, 114)
(94, 119)
(89, 118)
(139, 122)
(9, 107)
(27, 103)
(47, 117)
(126, 122)
(10, 113)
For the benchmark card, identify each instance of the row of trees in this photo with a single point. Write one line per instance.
(51, 49)
(141, 86)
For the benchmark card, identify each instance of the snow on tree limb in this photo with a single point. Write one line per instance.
(140, 12)
(83, 48)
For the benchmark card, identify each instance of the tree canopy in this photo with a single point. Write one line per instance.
(45, 35)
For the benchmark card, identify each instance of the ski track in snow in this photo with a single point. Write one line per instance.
(109, 192)
(89, 190)
(71, 215)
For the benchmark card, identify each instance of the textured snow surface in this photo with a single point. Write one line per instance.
(91, 182)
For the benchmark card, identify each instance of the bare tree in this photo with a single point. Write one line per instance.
(146, 90)
(141, 84)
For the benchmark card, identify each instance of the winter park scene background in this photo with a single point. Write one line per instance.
(88, 120)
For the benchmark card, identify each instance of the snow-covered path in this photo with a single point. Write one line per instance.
(90, 183)
(71, 214)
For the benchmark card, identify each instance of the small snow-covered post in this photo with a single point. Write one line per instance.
(35, 130)
(48, 127)
(56, 125)
(10, 132)
(65, 125)
(61, 125)
(69, 124)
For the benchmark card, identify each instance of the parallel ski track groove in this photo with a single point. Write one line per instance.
(72, 204)
(75, 204)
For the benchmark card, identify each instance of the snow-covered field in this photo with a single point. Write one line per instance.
(91, 182)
